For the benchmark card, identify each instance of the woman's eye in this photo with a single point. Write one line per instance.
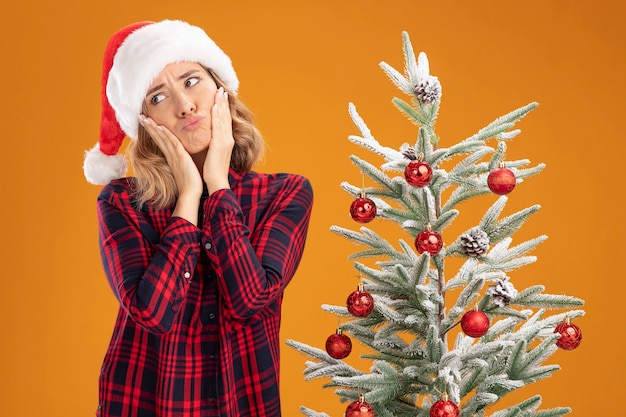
(192, 81)
(157, 98)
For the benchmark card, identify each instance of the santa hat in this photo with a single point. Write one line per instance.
(134, 57)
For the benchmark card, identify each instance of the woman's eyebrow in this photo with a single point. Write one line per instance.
(180, 77)
(155, 88)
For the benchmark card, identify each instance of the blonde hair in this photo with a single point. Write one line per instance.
(155, 183)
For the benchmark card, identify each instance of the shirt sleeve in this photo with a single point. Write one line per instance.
(254, 266)
(149, 273)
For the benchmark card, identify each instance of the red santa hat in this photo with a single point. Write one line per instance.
(134, 57)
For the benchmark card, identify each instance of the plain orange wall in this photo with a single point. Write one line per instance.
(300, 63)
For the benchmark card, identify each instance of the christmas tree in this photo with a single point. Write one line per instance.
(422, 362)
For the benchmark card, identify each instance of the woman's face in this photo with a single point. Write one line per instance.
(181, 98)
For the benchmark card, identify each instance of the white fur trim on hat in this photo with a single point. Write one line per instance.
(146, 51)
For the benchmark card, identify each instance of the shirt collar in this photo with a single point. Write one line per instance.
(234, 177)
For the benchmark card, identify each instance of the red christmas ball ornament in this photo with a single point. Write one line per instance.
(360, 303)
(429, 241)
(444, 408)
(571, 335)
(363, 209)
(501, 180)
(338, 345)
(359, 408)
(475, 323)
(418, 173)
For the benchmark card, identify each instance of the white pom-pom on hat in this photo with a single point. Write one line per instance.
(134, 57)
(100, 168)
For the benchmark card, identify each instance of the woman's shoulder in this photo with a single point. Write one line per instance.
(118, 190)
(254, 188)
(278, 181)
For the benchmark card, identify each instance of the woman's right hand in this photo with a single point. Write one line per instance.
(184, 170)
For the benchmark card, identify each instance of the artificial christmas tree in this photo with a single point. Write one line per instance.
(422, 364)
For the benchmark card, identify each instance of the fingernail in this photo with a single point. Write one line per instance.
(140, 119)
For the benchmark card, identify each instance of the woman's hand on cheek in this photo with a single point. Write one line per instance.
(184, 170)
(217, 163)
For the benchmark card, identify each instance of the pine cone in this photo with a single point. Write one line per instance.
(502, 292)
(428, 90)
(474, 243)
(410, 153)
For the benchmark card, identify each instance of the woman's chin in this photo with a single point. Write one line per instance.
(197, 145)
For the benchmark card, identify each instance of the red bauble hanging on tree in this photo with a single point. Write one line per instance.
(475, 323)
(444, 408)
(338, 345)
(360, 303)
(429, 241)
(501, 180)
(359, 408)
(363, 209)
(571, 335)
(418, 173)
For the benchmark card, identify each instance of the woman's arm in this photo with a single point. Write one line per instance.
(255, 266)
(149, 274)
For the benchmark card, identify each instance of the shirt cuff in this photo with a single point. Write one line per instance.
(183, 230)
(220, 203)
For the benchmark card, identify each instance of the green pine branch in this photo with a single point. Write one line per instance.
(311, 413)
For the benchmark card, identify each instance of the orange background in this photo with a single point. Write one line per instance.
(300, 63)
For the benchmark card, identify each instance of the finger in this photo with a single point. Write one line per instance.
(222, 121)
(167, 142)
(159, 133)
(151, 127)
(221, 102)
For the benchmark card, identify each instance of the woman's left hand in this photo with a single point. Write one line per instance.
(217, 162)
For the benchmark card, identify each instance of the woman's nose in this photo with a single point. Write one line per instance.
(185, 106)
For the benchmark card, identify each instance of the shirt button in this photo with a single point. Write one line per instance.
(208, 246)
(187, 276)
(211, 316)
(212, 399)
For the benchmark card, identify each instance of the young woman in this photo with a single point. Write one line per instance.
(197, 248)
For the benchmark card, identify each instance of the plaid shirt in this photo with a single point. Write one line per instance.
(197, 333)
